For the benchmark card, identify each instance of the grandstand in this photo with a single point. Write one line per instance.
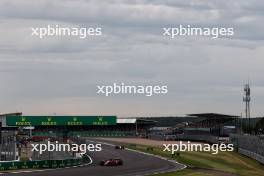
(214, 124)
(64, 126)
(208, 127)
(202, 124)
(124, 127)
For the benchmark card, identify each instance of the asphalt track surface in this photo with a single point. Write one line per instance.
(135, 164)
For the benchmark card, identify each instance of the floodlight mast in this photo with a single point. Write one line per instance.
(247, 99)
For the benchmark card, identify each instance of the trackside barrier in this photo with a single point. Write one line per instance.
(249, 145)
(185, 137)
(39, 164)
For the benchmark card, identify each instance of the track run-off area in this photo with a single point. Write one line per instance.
(134, 164)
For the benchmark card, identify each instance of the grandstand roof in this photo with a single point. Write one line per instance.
(134, 120)
(213, 115)
(10, 114)
(126, 120)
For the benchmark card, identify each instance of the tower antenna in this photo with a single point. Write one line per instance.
(246, 99)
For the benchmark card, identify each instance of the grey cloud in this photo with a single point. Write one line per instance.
(60, 75)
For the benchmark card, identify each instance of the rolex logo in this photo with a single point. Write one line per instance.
(75, 119)
(23, 119)
(49, 119)
(100, 118)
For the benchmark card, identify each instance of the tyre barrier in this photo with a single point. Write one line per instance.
(40, 164)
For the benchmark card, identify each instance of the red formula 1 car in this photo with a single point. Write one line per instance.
(111, 162)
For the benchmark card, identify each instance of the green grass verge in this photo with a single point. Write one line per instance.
(185, 172)
(224, 161)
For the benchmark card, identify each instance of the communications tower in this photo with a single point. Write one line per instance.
(246, 99)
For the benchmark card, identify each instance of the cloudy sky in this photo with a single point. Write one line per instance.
(59, 74)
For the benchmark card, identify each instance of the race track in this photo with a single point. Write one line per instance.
(135, 164)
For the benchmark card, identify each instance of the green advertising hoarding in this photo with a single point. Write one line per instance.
(59, 120)
(14, 165)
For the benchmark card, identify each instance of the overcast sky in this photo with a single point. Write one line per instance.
(59, 74)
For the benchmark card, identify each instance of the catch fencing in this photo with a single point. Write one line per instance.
(184, 137)
(249, 145)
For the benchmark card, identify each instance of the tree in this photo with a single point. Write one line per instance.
(259, 129)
